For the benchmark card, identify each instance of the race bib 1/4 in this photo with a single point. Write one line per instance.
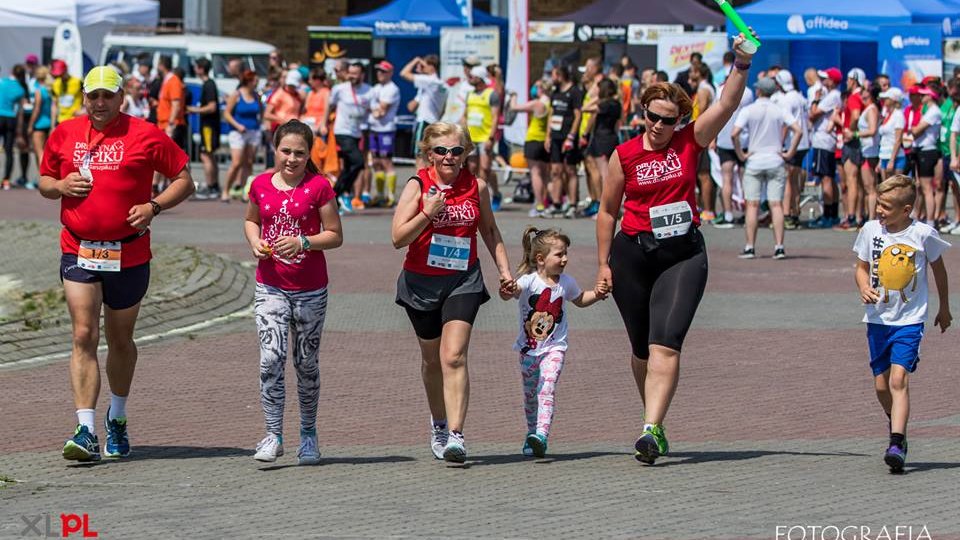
(449, 252)
(556, 122)
(670, 220)
(99, 256)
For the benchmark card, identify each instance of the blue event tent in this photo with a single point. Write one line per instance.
(822, 33)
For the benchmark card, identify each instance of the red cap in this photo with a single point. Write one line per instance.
(831, 73)
(923, 91)
(58, 68)
(383, 65)
(930, 78)
(31, 59)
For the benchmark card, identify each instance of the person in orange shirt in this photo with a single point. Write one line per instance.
(285, 103)
(171, 107)
(313, 115)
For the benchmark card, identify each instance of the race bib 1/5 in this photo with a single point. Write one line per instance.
(99, 256)
(449, 252)
(670, 220)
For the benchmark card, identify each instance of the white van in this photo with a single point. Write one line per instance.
(185, 49)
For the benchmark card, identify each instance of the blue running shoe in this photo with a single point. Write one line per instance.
(593, 209)
(496, 201)
(117, 445)
(895, 458)
(538, 444)
(346, 204)
(84, 446)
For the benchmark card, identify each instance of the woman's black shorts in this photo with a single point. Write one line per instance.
(657, 285)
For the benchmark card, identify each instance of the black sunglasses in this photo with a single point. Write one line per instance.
(456, 151)
(667, 120)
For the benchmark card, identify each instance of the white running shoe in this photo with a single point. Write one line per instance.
(269, 449)
(456, 450)
(308, 454)
(949, 228)
(438, 440)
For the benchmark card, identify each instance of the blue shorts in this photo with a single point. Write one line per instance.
(899, 164)
(121, 290)
(381, 143)
(898, 345)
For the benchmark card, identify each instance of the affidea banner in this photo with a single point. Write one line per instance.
(910, 52)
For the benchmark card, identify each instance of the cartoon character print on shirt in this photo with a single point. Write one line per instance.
(285, 224)
(896, 268)
(543, 318)
(659, 170)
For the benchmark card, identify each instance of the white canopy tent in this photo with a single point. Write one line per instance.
(24, 25)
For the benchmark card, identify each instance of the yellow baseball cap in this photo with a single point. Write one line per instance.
(103, 78)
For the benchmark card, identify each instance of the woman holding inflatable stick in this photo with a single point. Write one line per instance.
(657, 264)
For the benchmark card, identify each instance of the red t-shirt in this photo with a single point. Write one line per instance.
(853, 103)
(658, 177)
(292, 213)
(459, 220)
(122, 164)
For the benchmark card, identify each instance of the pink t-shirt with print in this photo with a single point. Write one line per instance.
(292, 212)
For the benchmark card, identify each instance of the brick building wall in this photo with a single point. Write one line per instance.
(284, 23)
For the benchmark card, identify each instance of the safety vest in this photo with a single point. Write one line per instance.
(480, 116)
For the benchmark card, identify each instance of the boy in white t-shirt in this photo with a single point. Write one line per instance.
(544, 290)
(893, 252)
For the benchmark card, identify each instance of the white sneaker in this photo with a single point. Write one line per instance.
(949, 228)
(456, 450)
(308, 453)
(438, 440)
(955, 231)
(269, 449)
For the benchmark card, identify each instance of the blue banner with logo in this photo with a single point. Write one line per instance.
(910, 52)
(821, 20)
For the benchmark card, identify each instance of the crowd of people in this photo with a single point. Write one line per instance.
(657, 184)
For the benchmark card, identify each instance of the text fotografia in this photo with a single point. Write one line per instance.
(852, 532)
(48, 526)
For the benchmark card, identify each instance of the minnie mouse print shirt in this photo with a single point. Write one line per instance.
(543, 318)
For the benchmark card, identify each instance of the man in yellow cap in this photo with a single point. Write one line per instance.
(101, 168)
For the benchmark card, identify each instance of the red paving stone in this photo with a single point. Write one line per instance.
(797, 386)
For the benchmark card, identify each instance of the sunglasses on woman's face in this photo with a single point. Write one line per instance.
(667, 120)
(455, 151)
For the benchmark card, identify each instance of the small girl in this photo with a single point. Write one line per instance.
(542, 343)
(291, 220)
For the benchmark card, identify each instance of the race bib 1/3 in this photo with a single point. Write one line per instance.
(99, 256)
(449, 252)
(556, 122)
(670, 220)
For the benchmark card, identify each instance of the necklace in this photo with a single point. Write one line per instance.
(284, 188)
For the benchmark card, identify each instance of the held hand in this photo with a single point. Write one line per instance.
(74, 185)
(261, 249)
(943, 319)
(287, 246)
(432, 204)
(601, 289)
(140, 216)
(508, 287)
(869, 296)
(743, 56)
(604, 281)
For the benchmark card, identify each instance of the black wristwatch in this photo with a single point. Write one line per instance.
(156, 207)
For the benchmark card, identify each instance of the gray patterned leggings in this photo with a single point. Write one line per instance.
(279, 315)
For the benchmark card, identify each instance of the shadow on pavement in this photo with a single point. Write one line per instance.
(324, 461)
(691, 458)
(185, 452)
(924, 467)
(517, 458)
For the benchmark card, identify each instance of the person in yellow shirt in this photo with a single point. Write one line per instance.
(67, 93)
(538, 159)
(483, 109)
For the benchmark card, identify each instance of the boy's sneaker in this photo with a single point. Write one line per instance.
(721, 223)
(779, 254)
(526, 450)
(438, 440)
(651, 445)
(308, 453)
(456, 450)
(117, 445)
(747, 253)
(83, 446)
(895, 457)
(269, 449)
(538, 444)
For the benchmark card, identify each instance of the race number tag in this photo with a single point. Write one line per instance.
(556, 122)
(475, 119)
(671, 220)
(99, 256)
(449, 252)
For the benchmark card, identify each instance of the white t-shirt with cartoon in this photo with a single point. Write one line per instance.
(543, 317)
(898, 270)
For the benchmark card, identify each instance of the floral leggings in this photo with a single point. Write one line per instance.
(540, 374)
